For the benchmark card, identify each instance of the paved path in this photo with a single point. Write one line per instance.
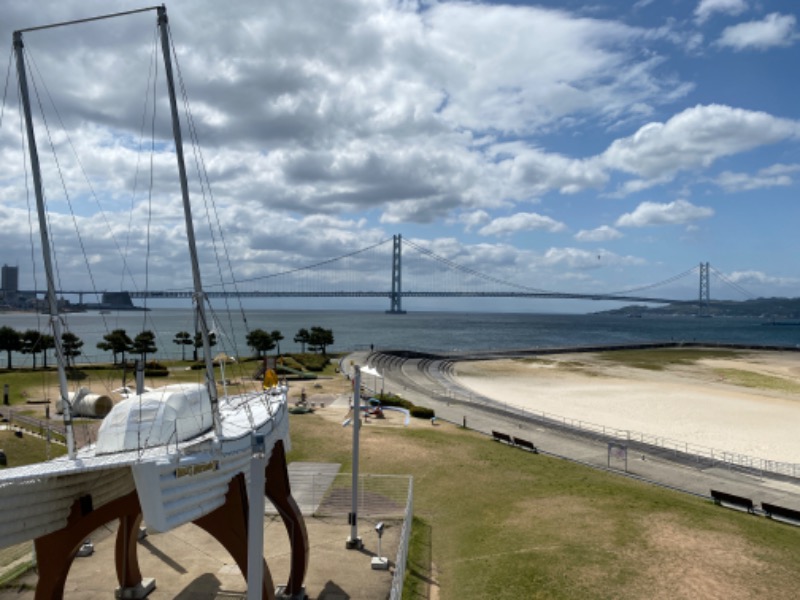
(413, 379)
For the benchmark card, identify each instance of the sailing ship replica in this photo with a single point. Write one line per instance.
(174, 455)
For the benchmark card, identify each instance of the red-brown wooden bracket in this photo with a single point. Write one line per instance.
(228, 525)
(56, 551)
(279, 492)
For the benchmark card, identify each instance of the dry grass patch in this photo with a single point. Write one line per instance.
(683, 562)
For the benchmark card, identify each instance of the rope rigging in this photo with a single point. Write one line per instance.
(470, 271)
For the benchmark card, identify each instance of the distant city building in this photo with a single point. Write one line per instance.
(9, 286)
(10, 279)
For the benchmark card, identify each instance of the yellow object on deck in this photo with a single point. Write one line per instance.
(270, 379)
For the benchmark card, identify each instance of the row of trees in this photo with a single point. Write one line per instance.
(317, 340)
(34, 342)
(119, 343)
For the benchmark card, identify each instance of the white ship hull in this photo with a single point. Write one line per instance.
(176, 484)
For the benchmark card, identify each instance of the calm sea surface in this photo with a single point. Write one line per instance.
(428, 331)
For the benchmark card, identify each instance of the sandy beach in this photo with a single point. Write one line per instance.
(747, 404)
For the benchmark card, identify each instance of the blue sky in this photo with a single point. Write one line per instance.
(576, 146)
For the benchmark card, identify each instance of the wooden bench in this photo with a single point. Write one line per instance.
(733, 501)
(501, 437)
(525, 444)
(781, 513)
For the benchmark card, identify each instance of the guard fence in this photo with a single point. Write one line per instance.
(378, 497)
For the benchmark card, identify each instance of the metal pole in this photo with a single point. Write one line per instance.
(47, 256)
(199, 296)
(354, 542)
(255, 522)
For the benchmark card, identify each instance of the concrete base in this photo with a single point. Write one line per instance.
(280, 594)
(354, 544)
(137, 592)
(380, 563)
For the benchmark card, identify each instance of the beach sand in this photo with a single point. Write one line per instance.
(746, 404)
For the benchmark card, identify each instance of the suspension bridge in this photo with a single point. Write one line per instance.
(396, 269)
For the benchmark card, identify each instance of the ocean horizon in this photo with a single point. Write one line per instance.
(424, 331)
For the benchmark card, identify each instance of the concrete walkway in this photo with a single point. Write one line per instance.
(188, 564)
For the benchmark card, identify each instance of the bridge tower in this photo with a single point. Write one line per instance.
(396, 297)
(705, 289)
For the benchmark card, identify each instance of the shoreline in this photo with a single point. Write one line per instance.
(692, 404)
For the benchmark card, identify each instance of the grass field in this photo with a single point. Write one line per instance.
(495, 522)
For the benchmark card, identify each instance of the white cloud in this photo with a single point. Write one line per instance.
(679, 212)
(706, 8)
(576, 258)
(600, 234)
(774, 30)
(695, 138)
(521, 222)
(776, 175)
(526, 69)
(474, 219)
(759, 278)
(538, 172)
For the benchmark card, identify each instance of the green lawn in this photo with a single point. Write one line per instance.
(496, 522)
(657, 359)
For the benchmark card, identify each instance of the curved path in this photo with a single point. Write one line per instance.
(429, 380)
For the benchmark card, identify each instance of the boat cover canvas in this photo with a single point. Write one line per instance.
(166, 415)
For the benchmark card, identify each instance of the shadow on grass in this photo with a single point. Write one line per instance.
(419, 577)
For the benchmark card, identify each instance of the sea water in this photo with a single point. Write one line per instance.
(436, 332)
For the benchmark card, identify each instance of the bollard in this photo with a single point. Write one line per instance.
(5, 394)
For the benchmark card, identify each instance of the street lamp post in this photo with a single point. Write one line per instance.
(354, 542)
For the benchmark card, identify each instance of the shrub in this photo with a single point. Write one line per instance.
(421, 412)
(74, 374)
(154, 369)
(392, 400)
(312, 362)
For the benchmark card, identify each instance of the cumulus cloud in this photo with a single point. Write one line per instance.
(515, 71)
(323, 124)
(474, 219)
(521, 222)
(776, 175)
(539, 172)
(694, 138)
(576, 258)
(760, 279)
(603, 233)
(706, 8)
(774, 30)
(679, 212)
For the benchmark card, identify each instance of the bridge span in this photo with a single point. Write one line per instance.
(363, 274)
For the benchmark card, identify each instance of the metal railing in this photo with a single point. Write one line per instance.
(398, 579)
(379, 497)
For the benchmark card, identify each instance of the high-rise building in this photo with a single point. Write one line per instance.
(10, 279)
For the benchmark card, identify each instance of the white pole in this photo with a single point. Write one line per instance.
(354, 542)
(255, 521)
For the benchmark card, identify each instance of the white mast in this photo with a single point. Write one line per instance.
(55, 322)
(199, 295)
